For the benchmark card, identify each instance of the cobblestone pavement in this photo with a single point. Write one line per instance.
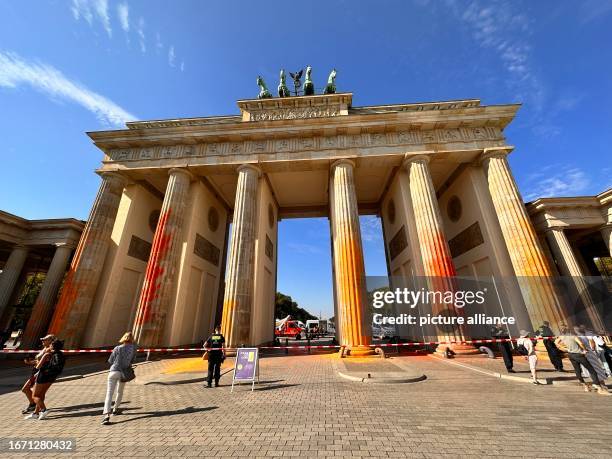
(303, 409)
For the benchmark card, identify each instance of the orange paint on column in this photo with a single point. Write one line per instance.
(348, 259)
(158, 287)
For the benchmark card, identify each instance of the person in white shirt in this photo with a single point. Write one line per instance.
(531, 356)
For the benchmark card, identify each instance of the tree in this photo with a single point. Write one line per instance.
(285, 306)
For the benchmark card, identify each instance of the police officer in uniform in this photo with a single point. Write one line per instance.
(216, 356)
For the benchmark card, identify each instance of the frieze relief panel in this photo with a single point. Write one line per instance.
(365, 140)
(294, 113)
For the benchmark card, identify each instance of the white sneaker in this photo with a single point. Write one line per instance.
(603, 390)
(31, 416)
(42, 415)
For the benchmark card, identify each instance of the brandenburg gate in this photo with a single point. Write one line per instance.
(157, 255)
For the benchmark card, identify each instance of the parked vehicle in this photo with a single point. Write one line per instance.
(317, 327)
(290, 329)
(383, 331)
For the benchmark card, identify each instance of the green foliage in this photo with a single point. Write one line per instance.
(31, 289)
(286, 306)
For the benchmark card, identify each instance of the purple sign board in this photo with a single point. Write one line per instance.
(246, 364)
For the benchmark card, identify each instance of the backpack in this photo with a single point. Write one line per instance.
(521, 349)
(55, 366)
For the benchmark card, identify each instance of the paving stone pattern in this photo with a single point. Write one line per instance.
(303, 409)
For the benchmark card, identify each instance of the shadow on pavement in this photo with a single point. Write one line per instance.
(158, 414)
(174, 383)
(81, 414)
(68, 409)
(274, 386)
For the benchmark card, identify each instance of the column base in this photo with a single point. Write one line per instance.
(457, 349)
(360, 351)
(541, 350)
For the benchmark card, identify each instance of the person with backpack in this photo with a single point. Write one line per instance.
(49, 368)
(28, 387)
(120, 372)
(525, 347)
(576, 352)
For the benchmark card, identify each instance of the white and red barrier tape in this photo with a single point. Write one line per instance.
(301, 346)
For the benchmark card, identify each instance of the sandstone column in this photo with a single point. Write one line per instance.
(238, 297)
(355, 326)
(435, 252)
(569, 267)
(160, 277)
(10, 274)
(76, 298)
(606, 234)
(528, 259)
(43, 307)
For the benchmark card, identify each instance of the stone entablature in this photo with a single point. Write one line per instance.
(25, 232)
(300, 144)
(302, 108)
(568, 212)
(157, 124)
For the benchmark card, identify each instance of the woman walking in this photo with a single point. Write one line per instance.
(29, 384)
(120, 372)
(49, 368)
(530, 356)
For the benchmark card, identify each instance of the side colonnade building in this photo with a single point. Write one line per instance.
(181, 198)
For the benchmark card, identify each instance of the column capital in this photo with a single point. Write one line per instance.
(495, 152)
(550, 229)
(114, 175)
(410, 158)
(343, 161)
(64, 245)
(20, 247)
(249, 166)
(181, 170)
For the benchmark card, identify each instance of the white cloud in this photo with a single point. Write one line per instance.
(123, 13)
(496, 26)
(158, 42)
(80, 8)
(88, 8)
(141, 35)
(556, 180)
(371, 228)
(15, 71)
(182, 66)
(595, 9)
(171, 56)
(304, 248)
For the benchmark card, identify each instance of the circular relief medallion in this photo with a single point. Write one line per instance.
(271, 217)
(153, 219)
(391, 211)
(454, 208)
(213, 219)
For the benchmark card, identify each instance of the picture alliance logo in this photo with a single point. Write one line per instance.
(412, 298)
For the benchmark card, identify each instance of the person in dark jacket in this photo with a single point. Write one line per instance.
(554, 354)
(216, 355)
(498, 332)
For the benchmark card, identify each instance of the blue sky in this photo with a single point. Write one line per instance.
(67, 67)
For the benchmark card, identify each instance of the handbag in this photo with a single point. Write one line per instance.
(127, 374)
